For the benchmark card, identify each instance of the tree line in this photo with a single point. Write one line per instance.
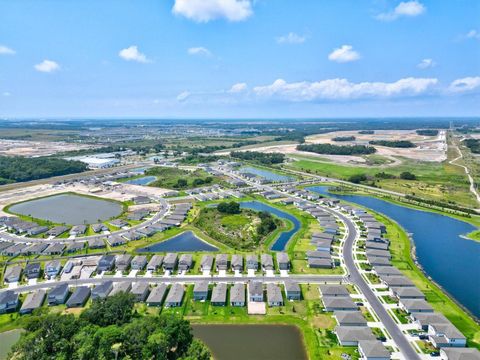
(393, 143)
(109, 329)
(262, 158)
(18, 168)
(331, 149)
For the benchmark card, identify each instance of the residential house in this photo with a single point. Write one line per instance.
(283, 261)
(252, 262)
(170, 261)
(54, 249)
(123, 286)
(139, 262)
(373, 350)
(99, 227)
(267, 262)
(255, 291)
(175, 296)
(122, 262)
(33, 301)
(78, 230)
(459, 354)
(237, 262)
(446, 335)
(221, 262)
(8, 302)
(79, 297)
(32, 270)
(200, 291)
(102, 290)
(96, 243)
(185, 262)
(155, 262)
(350, 318)
(140, 290)
(274, 295)
(292, 290)
(219, 295)
(237, 294)
(206, 263)
(58, 295)
(157, 295)
(415, 306)
(12, 273)
(106, 263)
(115, 240)
(339, 304)
(334, 291)
(52, 268)
(352, 335)
(57, 230)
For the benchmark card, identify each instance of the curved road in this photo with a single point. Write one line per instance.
(355, 277)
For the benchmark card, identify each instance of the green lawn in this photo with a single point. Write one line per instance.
(171, 178)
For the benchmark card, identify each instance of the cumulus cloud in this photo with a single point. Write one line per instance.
(238, 88)
(465, 84)
(291, 38)
(207, 10)
(344, 54)
(5, 50)
(200, 50)
(473, 34)
(426, 63)
(47, 66)
(133, 54)
(342, 89)
(183, 96)
(404, 9)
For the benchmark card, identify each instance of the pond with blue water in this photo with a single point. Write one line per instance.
(144, 180)
(451, 260)
(186, 241)
(285, 236)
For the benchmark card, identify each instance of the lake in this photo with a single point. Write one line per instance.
(186, 241)
(269, 175)
(8, 339)
(252, 342)
(285, 236)
(144, 180)
(452, 261)
(69, 209)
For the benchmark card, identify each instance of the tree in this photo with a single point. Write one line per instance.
(181, 183)
(197, 351)
(231, 207)
(357, 178)
(406, 175)
(113, 310)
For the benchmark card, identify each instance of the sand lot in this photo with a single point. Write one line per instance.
(429, 148)
(37, 148)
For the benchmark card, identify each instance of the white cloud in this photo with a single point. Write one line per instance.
(291, 38)
(6, 93)
(47, 66)
(132, 54)
(238, 88)
(426, 63)
(344, 54)
(464, 84)
(406, 9)
(200, 50)
(473, 34)
(206, 10)
(342, 89)
(5, 50)
(183, 96)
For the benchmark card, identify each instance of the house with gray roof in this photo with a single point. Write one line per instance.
(140, 290)
(79, 297)
(334, 291)
(206, 263)
(375, 245)
(221, 262)
(96, 243)
(274, 295)
(315, 254)
(52, 268)
(252, 262)
(175, 296)
(102, 290)
(237, 262)
(379, 261)
(387, 271)
(33, 301)
(378, 253)
(403, 293)
(122, 262)
(122, 286)
(185, 262)
(155, 262)
(267, 262)
(396, 281)
(283, 261)
(157, 295)
(8, 302)
(170, 261)
(237, 294)
(57, 230)
(58, 295)
(97, 228)
(78, 230)
(139, 262)
(106, 263)
(352, 335)
(255, 291)
(459, 354)
(132, 235)
(34, 249)
(200, 291)
(319, 263)
(36, 230)
(32, 270)
(292, 290)
(373, 350)
(118, 223)
(423, 320)
(115, 240)
(219, 295)
(74, 246)
(446, 335)
(338, 304)
(350, 318)
(54, 249)
(415, 306)
(146, 231)
(12, 273)
(14, 250)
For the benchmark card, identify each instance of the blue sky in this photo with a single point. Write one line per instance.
(239, 58)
